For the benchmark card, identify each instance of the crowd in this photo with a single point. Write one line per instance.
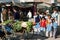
(42, 22)
(15, 14)
(46, 22)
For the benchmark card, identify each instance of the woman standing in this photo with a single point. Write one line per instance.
(55, 21)
(3, 15)
(49, 27)
(36, 26)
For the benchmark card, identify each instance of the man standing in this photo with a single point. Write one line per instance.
(29, 15)
(16, 15)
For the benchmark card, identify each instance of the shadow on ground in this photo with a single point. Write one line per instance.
(58, 32)
(31, 36)
(27, 37)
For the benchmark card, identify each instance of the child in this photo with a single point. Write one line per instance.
(49, 27)
(42, 24)
(55, 24)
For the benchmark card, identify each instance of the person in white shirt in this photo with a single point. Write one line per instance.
(47, 12)
(41, 15)
(55, 15)
(59, 19)
(29, 15)
(55, 22)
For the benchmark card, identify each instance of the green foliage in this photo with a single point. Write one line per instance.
(29, 26)
(17, 26)
(6, 22)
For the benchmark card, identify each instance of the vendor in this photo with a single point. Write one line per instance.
(16, 15)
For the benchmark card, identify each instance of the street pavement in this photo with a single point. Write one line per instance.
(31, 36)
(21, 36)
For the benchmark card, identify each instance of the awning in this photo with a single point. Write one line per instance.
(26, 4)
(43, 5)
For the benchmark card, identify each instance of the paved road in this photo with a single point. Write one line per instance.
(20, 36)
(30, 36)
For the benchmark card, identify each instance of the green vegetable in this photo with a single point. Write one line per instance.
(17, 26)
(6, 22)
(29, 26)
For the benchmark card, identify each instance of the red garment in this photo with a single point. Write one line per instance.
(43, 23)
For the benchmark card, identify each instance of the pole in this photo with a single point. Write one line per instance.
(35, 8)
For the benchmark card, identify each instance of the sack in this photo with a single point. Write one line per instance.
(8, 28)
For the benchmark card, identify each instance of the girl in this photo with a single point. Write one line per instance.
(42, 24)
(49, 27)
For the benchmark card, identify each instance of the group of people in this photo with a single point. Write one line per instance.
(41, 21)
(46, 22)
(8, 14)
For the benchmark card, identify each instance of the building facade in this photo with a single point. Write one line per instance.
(47, 1)
(58, 0)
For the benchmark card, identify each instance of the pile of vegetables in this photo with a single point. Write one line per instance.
(6, 22)
(29, 26)
(17, 25)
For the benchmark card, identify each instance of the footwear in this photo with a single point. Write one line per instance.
(50, 36)
(46, 33)
(54, 37)
(46, 37)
